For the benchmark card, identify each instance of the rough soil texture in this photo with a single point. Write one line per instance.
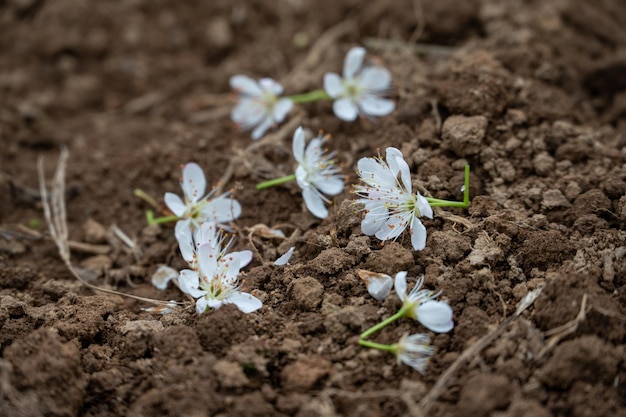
(532, 94)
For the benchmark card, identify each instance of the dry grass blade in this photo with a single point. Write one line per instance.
(568, 328)
(55, 214)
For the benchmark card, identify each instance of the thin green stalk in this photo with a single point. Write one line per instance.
(276, 181)
(435, 202)
(159, 220)
(311, 96)
(401, 313)
(379, 346)
(146, 197)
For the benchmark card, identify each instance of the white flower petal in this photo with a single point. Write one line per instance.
(206, 233)
(240, 259)
(353, 61)
(376, 106)
(405, 174)
(392, 228)
(330, 186)
(379, 286)
(374, 220)
(207, 260)
(424, 207)
(298, 144)
(375, 79)
(245, 302)
(333, 85)
(284, 259)
(163, 275)
(189, 283)
(201, 305)
(345, 109)
(260, 130)
(418, 234)
(281, 109)
(222, 210)
(436, 316)
(213, 303)
(175, 204)
(193, 182)
(248, 113)
(400, 285)
(246, 85)
(184, 236)
(271, 86)
(314, 203)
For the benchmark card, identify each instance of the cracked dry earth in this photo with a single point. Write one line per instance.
(532, 94)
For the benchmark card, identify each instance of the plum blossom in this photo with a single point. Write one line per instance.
(361, 90)
(259, 107)
(390, 205)
(414, 350)
(421, 305)
(317, 173)
(216, 281)
(198, 208)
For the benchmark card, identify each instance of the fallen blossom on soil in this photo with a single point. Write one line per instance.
(378, 285)
(361, 90)
(190, 240)
(259, 107)
(317, 173)
(198, 208)
(414, 350)
(216, 281)
(422, 306)
(284, 259)
(389, 202)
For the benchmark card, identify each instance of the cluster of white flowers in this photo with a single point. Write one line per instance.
(413, 350)
(362, 91)
(213, 274)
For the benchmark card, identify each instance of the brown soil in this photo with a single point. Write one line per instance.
(532, 94)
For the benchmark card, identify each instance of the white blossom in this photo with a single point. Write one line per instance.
(216, 281)
(317, 173)
(422, 306)
(414, 350)
(259, 107)
(389, 202)
(361, 90)
(198, 208)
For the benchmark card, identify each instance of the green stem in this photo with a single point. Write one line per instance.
(401, 313)
(379, 346)
(276, 181)
(311, 96)
(159, 220)
(435, 202)
(144, 196)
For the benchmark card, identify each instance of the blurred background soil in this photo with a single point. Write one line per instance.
(532, 94)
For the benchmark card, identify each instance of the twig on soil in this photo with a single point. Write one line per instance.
(55, 215)
(568, 328)
(132, 246)
(427, 402)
